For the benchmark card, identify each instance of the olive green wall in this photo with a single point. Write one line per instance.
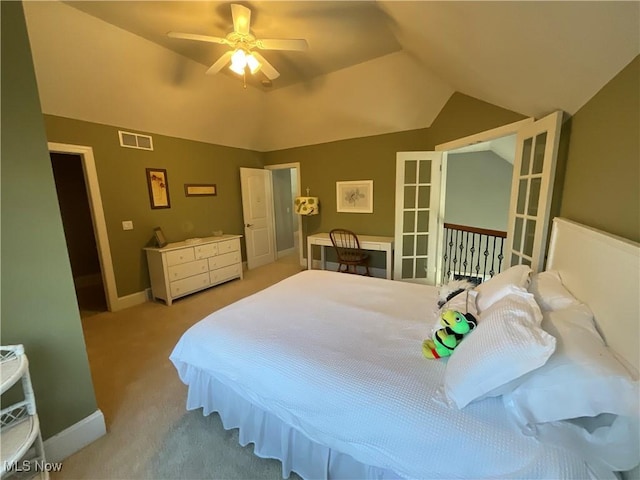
(374, 158)
(38, 305)
(125, 195)
(602, 182)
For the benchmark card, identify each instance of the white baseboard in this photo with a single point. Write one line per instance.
(75, 438)
(375, 271)
(130, 300)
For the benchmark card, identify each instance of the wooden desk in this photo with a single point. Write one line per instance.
(367, 242)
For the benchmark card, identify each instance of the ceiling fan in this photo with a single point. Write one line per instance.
(243, 55)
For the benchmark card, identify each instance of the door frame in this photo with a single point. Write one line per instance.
(97, 217)
(487, 135)
(283, 166)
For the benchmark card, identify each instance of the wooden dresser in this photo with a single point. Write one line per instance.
(182, 268)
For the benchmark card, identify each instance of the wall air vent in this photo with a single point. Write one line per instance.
(135, 140)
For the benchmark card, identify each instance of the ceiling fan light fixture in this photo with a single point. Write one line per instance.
(253, 63)
(240, 60)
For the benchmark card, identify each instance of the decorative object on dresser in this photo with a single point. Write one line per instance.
(354, 196)
(161, 240)
(158, 188)
(21, 446)
(181, 268)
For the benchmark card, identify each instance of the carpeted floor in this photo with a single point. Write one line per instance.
(150, 434)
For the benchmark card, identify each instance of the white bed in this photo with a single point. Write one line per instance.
(325, 372)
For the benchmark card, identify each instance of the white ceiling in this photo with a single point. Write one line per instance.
(372, 67)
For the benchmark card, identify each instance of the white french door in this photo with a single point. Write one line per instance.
(417, 205)
(531, 191)
(257, 209)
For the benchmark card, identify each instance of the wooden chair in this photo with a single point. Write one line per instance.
(350, 255)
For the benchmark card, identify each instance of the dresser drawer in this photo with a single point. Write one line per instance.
(225, 273)
(224, 260)
(176, 257)
(227, 246)
(208, 250)
(184, 270)
(188, 285)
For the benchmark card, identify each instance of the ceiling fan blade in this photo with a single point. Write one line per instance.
(220, 63)
(282, 44)
(200, 38)
(241, 18)
(266, 68)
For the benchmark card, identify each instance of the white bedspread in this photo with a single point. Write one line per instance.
(339, 358)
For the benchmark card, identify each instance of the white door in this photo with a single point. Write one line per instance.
(257, 209)
(531, 191)
(417, 205)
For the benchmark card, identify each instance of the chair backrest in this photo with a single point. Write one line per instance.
(344, 240)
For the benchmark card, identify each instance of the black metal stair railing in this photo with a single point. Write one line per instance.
(471, 253)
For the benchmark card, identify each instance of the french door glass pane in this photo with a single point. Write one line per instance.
(407, 245)
(529, 235)
(407, 268)
(408, 225)
(517, 235)
(422, 244)
(423, 221)
(515, 259)
(534, 196)
(424, 196)
(421, 268)
(425, 171)
(526, 156)
(409, 197)
(522, 196)
(410, 171)
(538, 155)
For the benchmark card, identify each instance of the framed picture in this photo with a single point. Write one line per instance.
(355, 196)
(158, 188)
(161, 241)
(200, 189)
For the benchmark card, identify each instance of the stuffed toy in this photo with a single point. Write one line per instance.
(455, 325)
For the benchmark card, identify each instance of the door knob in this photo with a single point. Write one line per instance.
(249, 225)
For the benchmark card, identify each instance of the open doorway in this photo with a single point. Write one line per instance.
(98, 222)
(478, 184)
(474, 207)
(78, 230)
(288, 229)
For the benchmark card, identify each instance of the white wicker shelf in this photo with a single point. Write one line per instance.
(13, 364)
(20, 438)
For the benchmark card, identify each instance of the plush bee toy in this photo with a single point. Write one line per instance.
(455, 326)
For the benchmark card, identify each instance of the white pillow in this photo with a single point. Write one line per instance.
(581, 379)
(496, 287)
(549, 291)
(507, 343)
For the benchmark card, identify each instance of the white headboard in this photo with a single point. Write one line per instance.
(603, 271)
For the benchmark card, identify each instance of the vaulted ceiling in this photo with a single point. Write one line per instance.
(371, 67)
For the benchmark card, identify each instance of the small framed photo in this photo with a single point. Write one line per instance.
(158, 188)
(200, 189)
(161, 241)
(355, 196)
